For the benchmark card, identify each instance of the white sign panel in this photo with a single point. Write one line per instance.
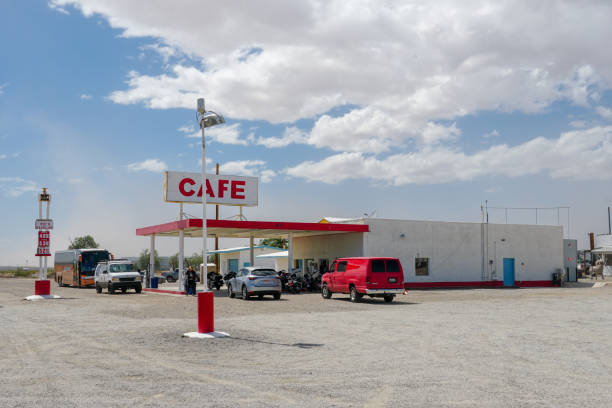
(181, 187)
(43, 224)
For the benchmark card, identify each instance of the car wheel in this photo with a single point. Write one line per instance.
(138, 288)
(245, 294)
(389, 298)
(277, 296)
(355, 296)
(123, 290)
(230, 293)
(325, 292)
(98, 289)
(260, 297)
(170, 279)
(111, 290)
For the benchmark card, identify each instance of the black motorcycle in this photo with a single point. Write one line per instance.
(214, 280)
(295, 283)
(282, 275)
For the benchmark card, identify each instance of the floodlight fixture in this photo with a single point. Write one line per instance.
(211, 118)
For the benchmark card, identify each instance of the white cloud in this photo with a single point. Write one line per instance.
(604, 112)
(57, 8)
(187, 129)
(254, 168)
(401, 65)
(152, 165)
(226, 134)
(2, 86)
(435, 133)
(291, 135)
(86, 97)
(493, 133)
(165, 51)
(16, 186)
(578, 124)
(563, 157)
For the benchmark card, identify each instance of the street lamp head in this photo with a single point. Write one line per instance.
(211, 118)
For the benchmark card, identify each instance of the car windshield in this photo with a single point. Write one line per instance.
(122, 268)
(263, 272)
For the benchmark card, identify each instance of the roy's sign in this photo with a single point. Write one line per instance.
(181, 187)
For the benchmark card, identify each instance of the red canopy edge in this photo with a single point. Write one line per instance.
(251, 225)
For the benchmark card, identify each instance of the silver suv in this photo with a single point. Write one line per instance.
(117, 274)
(255, 281)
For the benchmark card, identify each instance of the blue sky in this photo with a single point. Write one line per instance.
(410, 110)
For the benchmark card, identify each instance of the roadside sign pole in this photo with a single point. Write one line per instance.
(45, 258)
(40, 261)
(43, 226)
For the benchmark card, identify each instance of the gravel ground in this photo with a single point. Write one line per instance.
(469, 348)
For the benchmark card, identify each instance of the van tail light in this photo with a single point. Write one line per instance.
(112, 257)
(252, 278)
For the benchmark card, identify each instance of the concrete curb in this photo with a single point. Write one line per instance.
(42, 297)
(206, 336)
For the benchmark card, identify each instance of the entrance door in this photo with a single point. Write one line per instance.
(232, 265)
(508, 271)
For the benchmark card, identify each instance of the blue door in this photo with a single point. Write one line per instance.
(232, 265)
(508, 271)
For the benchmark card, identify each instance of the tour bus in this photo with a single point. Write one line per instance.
(76, 267)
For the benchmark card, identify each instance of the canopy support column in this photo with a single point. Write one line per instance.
(251, 251)
(181, 254)
(181, 258)
(151, 261)
(289, 252)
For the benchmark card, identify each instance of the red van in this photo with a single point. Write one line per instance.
(375, 277)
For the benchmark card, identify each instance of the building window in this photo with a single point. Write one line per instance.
(421, 266)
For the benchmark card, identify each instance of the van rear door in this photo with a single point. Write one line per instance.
(385, 274)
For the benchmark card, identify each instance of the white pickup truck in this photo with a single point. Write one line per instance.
(117, 274)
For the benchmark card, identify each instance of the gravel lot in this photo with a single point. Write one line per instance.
(468, 348)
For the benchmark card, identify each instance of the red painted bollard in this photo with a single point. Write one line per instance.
(42, 287)
(206, 312)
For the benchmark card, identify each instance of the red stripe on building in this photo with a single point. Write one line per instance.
(476, 284)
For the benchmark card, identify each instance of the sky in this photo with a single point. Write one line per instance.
(392, 109)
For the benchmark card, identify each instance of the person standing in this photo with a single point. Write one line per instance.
(191, 277)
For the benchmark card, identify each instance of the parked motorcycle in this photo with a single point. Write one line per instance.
(282, 275)
(214, 280)
(295, 283)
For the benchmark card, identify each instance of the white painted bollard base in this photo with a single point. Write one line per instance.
(42, 297)
(211, 335)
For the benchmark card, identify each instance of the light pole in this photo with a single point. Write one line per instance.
(206, 119)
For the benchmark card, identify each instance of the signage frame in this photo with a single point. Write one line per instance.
(221, 189)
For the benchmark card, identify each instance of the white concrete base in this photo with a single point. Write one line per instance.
(211, 335)
(42, 297)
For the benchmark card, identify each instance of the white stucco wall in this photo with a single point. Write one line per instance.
(244, 257)
(454, 249)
